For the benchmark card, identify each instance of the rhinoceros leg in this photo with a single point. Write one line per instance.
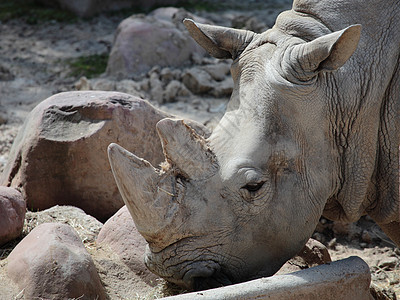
(393, 231)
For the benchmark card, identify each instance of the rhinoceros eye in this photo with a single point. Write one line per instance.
(253, 187)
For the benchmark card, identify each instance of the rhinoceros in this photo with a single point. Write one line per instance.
(311, 129)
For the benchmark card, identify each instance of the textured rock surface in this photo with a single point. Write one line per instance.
(157, 39)
(52, 263)
(59, 156)
(313, 254)
(121, 235)
(197, 81)
(86, 226)
(12, 214)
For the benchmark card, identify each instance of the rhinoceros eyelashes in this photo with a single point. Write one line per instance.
(251, 191)
(254, 187)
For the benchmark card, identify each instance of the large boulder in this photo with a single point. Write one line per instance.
(12, 214)
(88, 8)
(60, 155)
(52, 263)
(142, 42)
(120, 234)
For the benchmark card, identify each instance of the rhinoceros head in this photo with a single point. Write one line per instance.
(239, 204)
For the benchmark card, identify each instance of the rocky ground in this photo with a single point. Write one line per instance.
(44, 57)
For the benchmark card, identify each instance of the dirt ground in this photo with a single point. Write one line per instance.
(36, 61)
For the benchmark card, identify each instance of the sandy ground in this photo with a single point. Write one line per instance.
(34, 65)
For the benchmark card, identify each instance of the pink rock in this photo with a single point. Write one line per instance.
(12, 214)
(313, 254)
(156, 40)
(60, 155)
(121, 235)
(52, 263)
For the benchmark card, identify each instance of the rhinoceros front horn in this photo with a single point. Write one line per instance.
(154, 197)
(151, 206)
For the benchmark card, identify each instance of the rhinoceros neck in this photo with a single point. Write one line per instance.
(363, 102)
(362, 98)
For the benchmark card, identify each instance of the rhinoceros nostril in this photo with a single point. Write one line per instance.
(217, 279)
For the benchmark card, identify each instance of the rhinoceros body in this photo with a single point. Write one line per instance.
(311, 129)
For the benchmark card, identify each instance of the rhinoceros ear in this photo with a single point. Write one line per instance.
(326, 53)
(186, 150)
(220, 42)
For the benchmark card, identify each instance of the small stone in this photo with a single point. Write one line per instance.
(130, 87)
(5, 73)
(389, 263)
(197, 81)
(366, 237)
(315, 253)
(218, 71)
(172, 91)
(332, 243)
(319, 237)
(166, 75)
(223, 88)
(103, 85)
(82, 84)
(363, 245)
(156, 88)
(3, 118)
(12, 214)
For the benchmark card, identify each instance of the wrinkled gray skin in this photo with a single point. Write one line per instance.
(311, 129)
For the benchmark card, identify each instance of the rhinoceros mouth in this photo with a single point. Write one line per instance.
(217, 279)
(206, 269)
(207, 274)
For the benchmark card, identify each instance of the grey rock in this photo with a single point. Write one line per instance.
(197, 80)
(174, 90)
(59, 156)
(52, 263)
(6, 74)
(143, 42)
(156, 88)
(121, 235)
(130, 87)
(217, 71)
(103, 84)
(3, 118)
(12, 214)
(223, 88)
(83, 84)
